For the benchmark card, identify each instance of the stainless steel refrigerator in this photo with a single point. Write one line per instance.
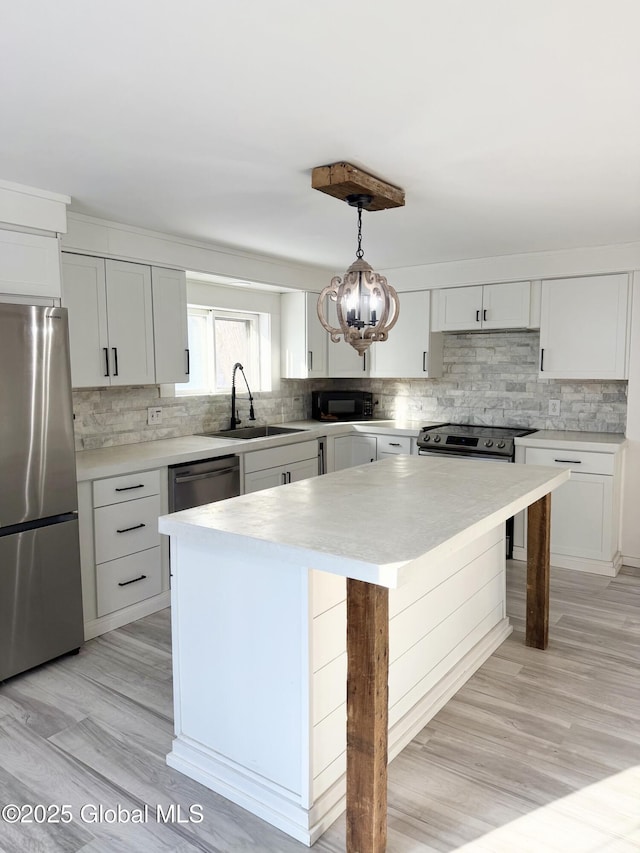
(40, 587)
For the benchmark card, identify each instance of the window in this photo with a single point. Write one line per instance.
(217, 340)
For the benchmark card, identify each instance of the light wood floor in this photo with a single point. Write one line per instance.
(540, 751)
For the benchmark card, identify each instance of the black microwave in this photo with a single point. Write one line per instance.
(342, 405)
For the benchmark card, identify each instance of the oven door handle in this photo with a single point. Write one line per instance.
(482, 457)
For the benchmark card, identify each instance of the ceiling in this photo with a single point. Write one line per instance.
(512, 126)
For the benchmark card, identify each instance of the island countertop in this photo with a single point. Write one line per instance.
(372, 522)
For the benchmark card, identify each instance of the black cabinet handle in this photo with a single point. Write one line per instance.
(570, 461)
(394, 444)
(188, 371)
(106, 361)
(541, 359)
(364, 361)
(284, 477)
(484, 314)
(115, 360)
(310, 359)
(135, 580)
(128, 488)
(424, 362)
(127, 529)
(478, 316)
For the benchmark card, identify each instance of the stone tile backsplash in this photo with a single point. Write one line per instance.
(488, 378)
(492, 378)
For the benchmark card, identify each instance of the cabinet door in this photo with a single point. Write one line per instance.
(170, 333)
(343, 359)
(303, 340)
(364, 448)
(459, 309)
(29, 264)
(342, 452)
(412, 350)
(130, 323)
(84, 296)
(257, 480)
(506, 306)
(302, 470)
(583, 327)
(581, 517)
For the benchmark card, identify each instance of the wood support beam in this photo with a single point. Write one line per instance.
(342, 180)
(538, 563)
(367, 716)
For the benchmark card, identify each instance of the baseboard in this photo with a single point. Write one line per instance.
(610, 568)
(128, 614)
(633, 562)
(279, 807)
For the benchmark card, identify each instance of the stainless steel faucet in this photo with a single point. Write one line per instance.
(235, 420)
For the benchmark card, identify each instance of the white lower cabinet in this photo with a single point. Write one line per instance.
(585, 511)
(358, 449)
(278, 466)
(124, 562)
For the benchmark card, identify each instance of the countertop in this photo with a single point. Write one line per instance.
(126, 458)
(599, 442)
(370, 522)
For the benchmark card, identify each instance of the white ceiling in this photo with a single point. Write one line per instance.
(513, 126)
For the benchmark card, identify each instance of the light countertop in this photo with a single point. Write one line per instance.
(370, 522)
(126, 458)
(599, 442)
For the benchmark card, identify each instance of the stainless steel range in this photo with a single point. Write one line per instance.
(486, 443)
(494, 444)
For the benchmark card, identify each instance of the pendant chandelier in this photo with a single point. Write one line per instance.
(367, 306)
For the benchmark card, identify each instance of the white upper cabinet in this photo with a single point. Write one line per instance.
(488, 306)
(29, 265)
(303, 340)
(411, 350)
(343, 360)
(110, 321)
(170, 331)
(584, 327)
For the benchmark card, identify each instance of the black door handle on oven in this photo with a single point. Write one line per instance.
(127, 529)
(135, 580)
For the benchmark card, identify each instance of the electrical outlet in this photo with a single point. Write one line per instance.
(154, 415)
(554, 407)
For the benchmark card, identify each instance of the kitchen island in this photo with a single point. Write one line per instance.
(259, 609)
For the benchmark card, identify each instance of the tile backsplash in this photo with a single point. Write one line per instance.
(492, 378)
(488, 378)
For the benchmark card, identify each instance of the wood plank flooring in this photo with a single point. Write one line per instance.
(539, 751)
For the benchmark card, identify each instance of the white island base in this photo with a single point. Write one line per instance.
(260, 668)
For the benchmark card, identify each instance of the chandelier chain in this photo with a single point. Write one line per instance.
(360, 252)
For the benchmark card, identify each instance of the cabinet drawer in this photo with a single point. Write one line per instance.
(394, 444)
(117, 489)
(125, 528)
(273, 457)
(122, 582)
(585, 462)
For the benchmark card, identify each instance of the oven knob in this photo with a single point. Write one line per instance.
(427, 438)
(488, 443)
(501, 444)
(436, 438)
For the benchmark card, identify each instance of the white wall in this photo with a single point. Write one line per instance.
(631, 503)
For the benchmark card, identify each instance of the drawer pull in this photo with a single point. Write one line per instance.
(570, 461)
(128, 488)
(135, 580)
(394, 444)
(127, 529)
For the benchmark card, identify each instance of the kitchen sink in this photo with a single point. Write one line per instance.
(251, 432)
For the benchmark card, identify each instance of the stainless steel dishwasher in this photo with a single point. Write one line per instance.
(197, 483)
